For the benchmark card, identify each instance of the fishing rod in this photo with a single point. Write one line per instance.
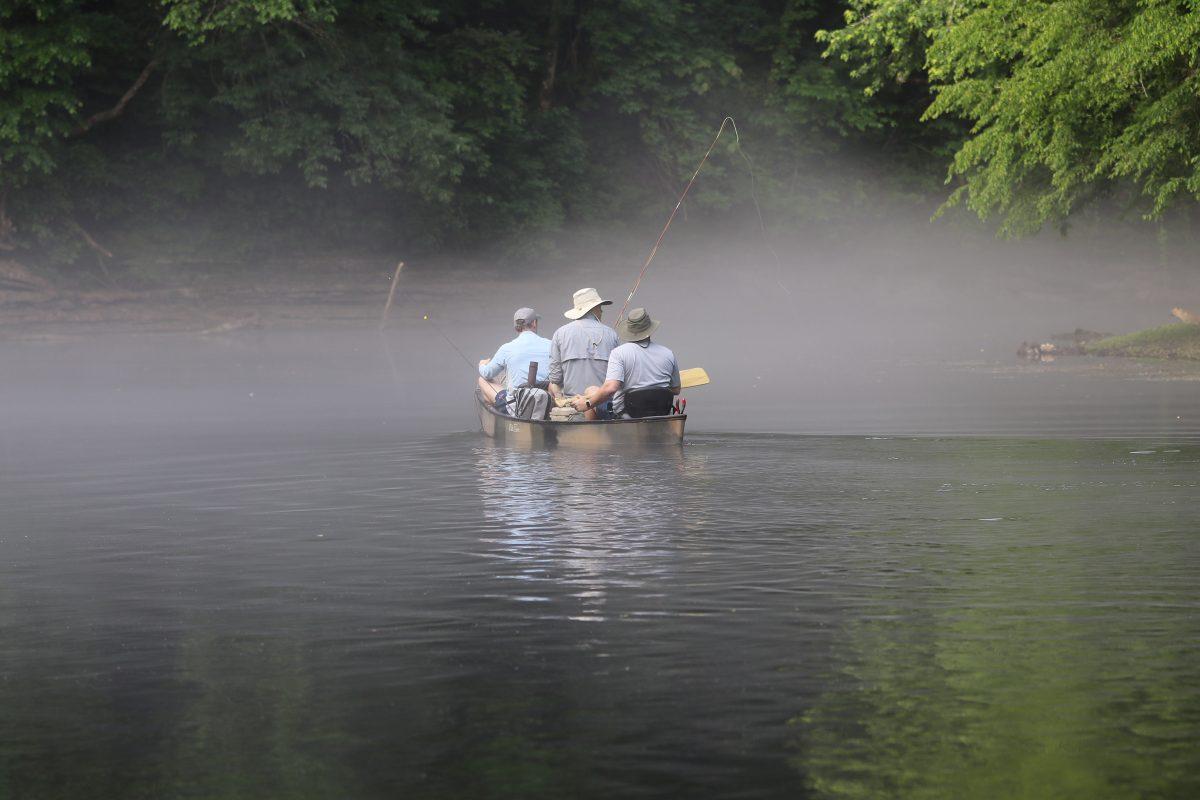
(728, 121)
(679, 204)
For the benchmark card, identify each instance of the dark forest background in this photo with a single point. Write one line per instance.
(248, 128)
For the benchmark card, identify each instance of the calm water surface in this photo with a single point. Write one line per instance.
(296, 604)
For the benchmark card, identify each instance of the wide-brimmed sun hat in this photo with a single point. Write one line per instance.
(585, 300)
(636, 326)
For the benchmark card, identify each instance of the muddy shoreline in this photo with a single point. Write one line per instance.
(352, 295)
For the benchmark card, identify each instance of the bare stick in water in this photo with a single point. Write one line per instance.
(391, 294)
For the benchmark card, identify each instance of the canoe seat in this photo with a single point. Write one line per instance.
(655, 402)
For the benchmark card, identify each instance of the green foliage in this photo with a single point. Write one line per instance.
(43, 45)
(1067, 100)
(405, 122)
(196, 19)
(409, 122)
(885, 41)
(412, 123)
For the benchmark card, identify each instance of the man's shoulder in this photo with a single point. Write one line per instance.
(606, 333)
(653, 350)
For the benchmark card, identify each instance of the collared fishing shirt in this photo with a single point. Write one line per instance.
(579, 354)
(514, 358)
(641, 365)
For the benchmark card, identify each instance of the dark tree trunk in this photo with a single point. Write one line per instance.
(6, 223)
(546, 94)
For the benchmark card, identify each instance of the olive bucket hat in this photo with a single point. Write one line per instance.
(636, 326)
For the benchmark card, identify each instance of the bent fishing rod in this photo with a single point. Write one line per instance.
(679, 204)
(727, 121)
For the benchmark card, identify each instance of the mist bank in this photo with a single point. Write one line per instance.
(898, 286)
(893, 333)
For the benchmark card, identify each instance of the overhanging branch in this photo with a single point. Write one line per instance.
(119, 108)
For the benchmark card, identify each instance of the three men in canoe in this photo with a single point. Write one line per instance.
(588, 368)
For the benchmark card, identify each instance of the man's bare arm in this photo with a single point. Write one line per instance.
(598, 394)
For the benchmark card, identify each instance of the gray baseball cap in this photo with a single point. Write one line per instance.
(525, 315)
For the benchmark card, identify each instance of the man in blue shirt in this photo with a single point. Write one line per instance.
(513, 358)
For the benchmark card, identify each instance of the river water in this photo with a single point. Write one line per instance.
(286, 567)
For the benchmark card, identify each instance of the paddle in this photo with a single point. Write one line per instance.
(695, 376)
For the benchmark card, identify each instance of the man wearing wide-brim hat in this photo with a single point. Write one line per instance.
(579, 350)
(642, 375)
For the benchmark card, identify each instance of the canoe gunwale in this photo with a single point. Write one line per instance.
(641, 420)
(588, 434)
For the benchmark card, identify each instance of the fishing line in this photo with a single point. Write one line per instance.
(679, 204)
(674, 211)
(452, 344)
(762, 225)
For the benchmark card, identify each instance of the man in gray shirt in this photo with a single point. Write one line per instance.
(637, 364)
(579, 350)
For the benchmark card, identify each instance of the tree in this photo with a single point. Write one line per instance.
(67, 68)
(44, 47)
(1067, 100)
(399, 123)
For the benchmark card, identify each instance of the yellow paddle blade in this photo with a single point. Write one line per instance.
(696, 376)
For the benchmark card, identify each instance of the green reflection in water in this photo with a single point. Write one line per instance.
(254, 726)
(1048, 653)
(505, 749)
(239, 718)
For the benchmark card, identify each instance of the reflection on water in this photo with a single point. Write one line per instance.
(1049, 652)
(582, 522)
(744, 616)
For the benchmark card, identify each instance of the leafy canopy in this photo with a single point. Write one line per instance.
(402, 121)
(1066, 99)
(405, 123)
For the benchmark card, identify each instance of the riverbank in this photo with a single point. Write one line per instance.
(216, 299)
(1177, 341)
(891, 297)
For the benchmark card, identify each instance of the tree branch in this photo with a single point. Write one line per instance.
(92, 243)
(116, 111)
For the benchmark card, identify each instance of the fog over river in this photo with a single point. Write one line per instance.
(890, 560)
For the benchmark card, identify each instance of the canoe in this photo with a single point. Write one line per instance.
(584, 434)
